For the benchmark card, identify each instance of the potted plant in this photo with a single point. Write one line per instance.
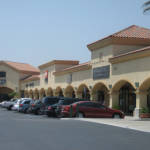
(117, 107)
(145, 112)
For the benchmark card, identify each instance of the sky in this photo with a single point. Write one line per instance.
(38, 31)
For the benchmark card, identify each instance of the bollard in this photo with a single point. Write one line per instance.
(71, 111)
(77, 111)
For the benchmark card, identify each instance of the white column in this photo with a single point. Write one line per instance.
(114, 99)
(141, 101)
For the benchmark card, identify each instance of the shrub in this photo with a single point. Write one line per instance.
(116, 107)
(145, 110)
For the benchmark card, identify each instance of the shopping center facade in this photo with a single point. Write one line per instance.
(118, 74)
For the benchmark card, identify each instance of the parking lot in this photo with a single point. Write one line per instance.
(26, 131)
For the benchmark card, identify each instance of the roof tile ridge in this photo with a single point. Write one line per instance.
(115, 34)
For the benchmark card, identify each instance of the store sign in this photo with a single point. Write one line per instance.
(101, 72)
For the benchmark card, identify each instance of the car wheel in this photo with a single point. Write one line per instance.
(116, 116)
(25, 111)
(39, 112)
(9, 108)
(80, 115)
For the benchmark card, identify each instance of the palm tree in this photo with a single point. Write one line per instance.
(146, 6)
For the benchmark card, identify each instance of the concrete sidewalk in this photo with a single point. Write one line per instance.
(128, 122)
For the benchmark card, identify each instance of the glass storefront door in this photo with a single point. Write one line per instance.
(100, 96)
(127, 99)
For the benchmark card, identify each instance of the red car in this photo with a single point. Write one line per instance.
(91, 110)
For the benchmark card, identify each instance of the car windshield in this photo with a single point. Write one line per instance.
(65, 102)
(49, 101)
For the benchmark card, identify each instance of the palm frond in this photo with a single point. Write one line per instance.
(146, 6)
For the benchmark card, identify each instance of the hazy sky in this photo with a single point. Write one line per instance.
(37, 31)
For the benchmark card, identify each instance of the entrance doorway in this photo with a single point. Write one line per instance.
(127, 99)
(5, 93)
(100, 97)
(86, 93)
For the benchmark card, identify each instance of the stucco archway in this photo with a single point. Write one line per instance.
(145, 89)
(100, 93)
(83, 92)
(126, 97)
(31, 94)
(26, 93)
(49, 92)
(36, 94)
(5, 92)
(59, 92)
(69, 92)
(42, 93)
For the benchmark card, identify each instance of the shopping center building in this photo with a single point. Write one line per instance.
(118, 74)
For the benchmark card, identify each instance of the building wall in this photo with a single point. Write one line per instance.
(134, 70)
(121, 49)
(12, 77)
(78, 78)
(35, 82)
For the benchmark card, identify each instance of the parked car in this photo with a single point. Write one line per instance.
(33, 105)
(17, 104)
(3, 104)
(91, 110)
(9, 104)
(24, 105)
(63, 102)
(40, 106)
(50, 110)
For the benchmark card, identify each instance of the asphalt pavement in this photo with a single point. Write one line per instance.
(30, 132)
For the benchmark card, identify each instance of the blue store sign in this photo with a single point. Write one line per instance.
(101, 72)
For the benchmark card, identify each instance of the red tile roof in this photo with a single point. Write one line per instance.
(74, 68)
(22, 67)
(132, 32)
(64, 62)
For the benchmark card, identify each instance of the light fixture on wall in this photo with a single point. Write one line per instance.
(16, 89)
(136, 84)
(110, 86)
(90, 87)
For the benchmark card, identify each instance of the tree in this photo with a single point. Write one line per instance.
(146, 6)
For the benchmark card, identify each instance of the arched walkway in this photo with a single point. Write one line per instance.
(100, 93)
(49, 92)
(145, 89)
(5, 93)
(83, 92)
(31, 94)
(42, 93)
(36, 94)
(69, 92)
(59, 92)
(126, 97)
(26, 94)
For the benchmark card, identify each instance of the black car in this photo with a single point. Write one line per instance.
(40, 106)
(50, 110)
(64, 102)
(34, 106)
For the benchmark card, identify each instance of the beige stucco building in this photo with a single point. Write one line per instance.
(118, 74)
